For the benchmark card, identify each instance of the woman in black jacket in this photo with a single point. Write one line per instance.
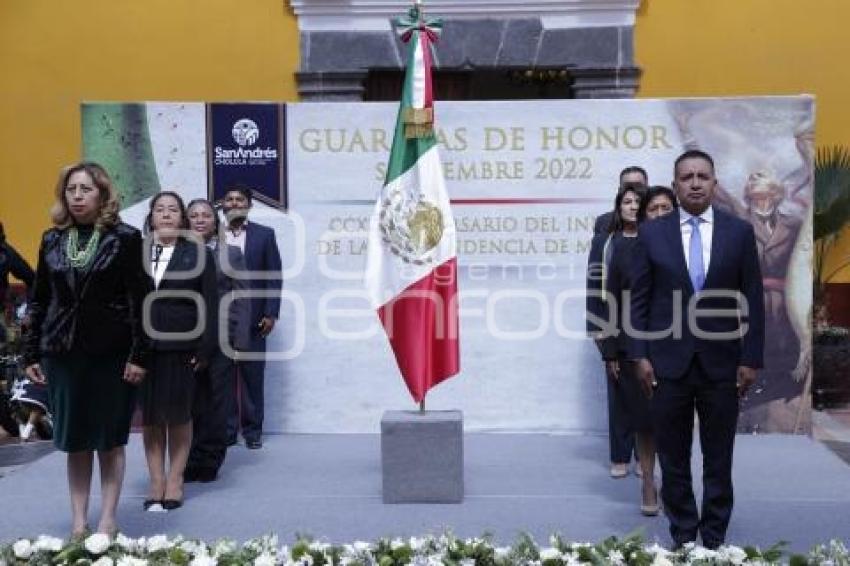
(85, 337)
(181, 321)
(12, 263)
(609, 282)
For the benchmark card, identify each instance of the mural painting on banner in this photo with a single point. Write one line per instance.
(147, 148)
(526, 180)
(246, 145)
(118, 137)
(770, 184)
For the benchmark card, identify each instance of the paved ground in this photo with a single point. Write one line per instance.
(787, 488)
(14, 454)
(833, 429)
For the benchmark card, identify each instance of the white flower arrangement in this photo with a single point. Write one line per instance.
(224, 547)
(23, 549)
(48, 544)
(443, 550)
(131, 561)
(203, 560)
(97, 544)
(158, 543)
(265, 559)
(126, 544)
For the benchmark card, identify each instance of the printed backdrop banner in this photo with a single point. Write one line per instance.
(526, 180)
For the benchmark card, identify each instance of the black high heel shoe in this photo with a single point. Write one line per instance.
(171, 504)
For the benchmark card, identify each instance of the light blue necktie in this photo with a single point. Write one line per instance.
(696, 268)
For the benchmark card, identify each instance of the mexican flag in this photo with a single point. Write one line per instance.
(411, 273)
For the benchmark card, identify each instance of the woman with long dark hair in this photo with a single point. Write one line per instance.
(608, 284)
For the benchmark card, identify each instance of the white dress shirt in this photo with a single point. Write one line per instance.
(237, 239)
(159, 261)
(706, 230)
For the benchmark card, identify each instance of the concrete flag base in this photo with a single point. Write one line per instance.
(422, 456)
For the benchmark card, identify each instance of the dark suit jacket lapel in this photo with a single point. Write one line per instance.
(719, 235)
(677, 252)
(250, 244)
(174, 263)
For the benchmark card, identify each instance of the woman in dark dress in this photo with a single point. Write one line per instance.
(85, 337)
(609, 272)
(182, 325)
(217, 384)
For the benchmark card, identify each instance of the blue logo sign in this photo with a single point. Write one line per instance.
(246, 145)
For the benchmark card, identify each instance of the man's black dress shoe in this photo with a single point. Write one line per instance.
(254, 443)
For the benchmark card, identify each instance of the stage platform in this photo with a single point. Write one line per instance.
(329, 486)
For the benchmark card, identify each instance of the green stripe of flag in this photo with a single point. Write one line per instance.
(405, 152)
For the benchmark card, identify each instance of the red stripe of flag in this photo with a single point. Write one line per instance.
(422, 326)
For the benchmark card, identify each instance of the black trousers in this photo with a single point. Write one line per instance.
(621, 437)
(250, 410)
(212, 403)
(716, 405)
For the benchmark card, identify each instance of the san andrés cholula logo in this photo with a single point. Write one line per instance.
(245, 133)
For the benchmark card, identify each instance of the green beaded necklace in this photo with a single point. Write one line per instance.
(80, 258)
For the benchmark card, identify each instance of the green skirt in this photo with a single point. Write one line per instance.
(92, 405)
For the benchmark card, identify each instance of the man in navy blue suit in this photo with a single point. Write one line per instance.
(698, 336)
(263, 273)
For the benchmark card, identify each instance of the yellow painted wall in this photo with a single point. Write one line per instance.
(748, 47)
(55, 54)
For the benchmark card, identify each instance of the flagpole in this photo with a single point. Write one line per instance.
(418, 5)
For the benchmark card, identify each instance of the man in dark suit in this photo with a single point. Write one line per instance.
(262, 262)
(698, 289)
(631, 174)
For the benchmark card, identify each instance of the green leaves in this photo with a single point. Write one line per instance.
(445, 550)
(832, 190)
(71, 553)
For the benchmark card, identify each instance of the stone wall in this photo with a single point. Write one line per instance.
(600, 60)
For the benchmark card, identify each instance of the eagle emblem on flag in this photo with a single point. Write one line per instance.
(411, 226)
